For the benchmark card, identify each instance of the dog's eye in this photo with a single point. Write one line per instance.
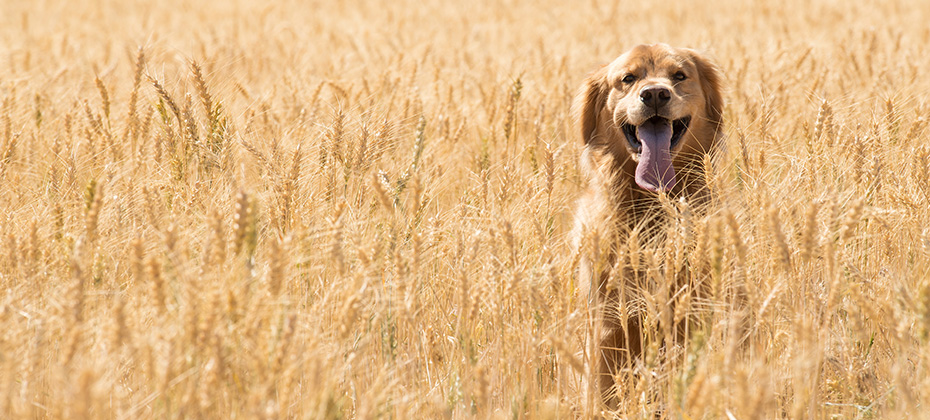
(629, 78)
(680, 76)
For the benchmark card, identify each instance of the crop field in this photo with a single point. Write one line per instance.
(359, 209)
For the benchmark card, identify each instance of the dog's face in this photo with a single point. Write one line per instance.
(655, 101)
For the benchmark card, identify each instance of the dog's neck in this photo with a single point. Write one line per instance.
(637, 208)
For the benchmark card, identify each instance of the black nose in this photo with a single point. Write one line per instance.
(655, 96)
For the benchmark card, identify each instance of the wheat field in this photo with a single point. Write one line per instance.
(327, 209)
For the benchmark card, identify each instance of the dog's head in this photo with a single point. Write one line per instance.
(662, 104)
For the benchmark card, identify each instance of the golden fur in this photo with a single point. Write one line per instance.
(615, 201)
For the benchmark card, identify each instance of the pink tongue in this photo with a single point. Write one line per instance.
(654, 171)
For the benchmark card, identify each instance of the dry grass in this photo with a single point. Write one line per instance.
(359, 210)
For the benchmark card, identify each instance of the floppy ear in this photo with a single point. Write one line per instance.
(589, 101)
(711, 85)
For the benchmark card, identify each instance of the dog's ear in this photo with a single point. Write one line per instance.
(711, 85)
(589, 101)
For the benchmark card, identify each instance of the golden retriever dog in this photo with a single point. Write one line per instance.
(647, 120)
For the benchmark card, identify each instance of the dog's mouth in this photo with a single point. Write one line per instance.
(679, 127)
(653, 141)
